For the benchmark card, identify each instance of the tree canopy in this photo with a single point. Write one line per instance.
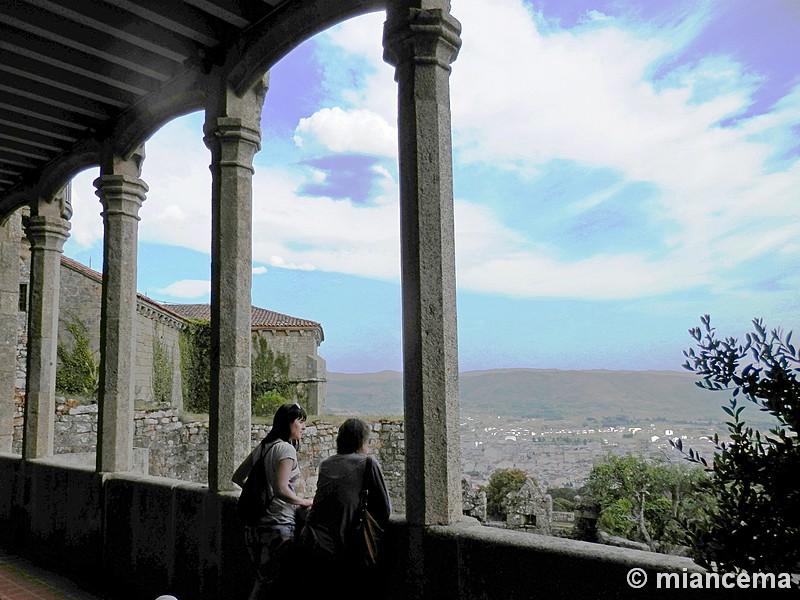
(501, 483)
(753, 523)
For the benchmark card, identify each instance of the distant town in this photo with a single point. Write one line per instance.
(562, 455)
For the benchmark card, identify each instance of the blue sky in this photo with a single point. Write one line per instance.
(620, 169)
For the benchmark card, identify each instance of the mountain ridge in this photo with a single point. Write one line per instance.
(549, 394)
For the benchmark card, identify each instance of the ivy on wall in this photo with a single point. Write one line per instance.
(270, 383)
(77, 372)
(196, 365)
(162, 370)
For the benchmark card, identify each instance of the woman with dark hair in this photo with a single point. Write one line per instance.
(270, 540)
(328, 535)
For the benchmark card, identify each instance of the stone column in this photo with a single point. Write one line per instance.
(233, 135)
(10, 235)
(121, 193)
(421, 39)
(47, 229)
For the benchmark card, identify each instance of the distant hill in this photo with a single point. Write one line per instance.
(610, 397)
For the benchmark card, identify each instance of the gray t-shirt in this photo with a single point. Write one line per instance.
(280, 511)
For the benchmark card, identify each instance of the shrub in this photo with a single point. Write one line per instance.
(642, 499)
(501, 483)
(196, 366)
(753, 523)
(77, 371)
(162, 371)
(270, 380)
(267, 403)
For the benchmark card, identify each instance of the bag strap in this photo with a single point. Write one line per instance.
(364, 488)
(262, 461)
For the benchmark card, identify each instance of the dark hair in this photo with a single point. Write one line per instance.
(282, 422)
(353, 433)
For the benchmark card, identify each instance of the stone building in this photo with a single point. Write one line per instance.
(158, 327)
(299, 339)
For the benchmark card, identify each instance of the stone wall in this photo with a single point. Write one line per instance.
(179, 450)
(530, 508)
(80, 296)
(305, 364)
(473, 500)
(156, 327)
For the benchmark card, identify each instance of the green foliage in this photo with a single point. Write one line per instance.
(77, 371)
(267, 403)
(753, 523)
(270, 383)
(563, 498)
(162, 371)
(501, 483)
(563, 505)
(196, 366)
(643, 500)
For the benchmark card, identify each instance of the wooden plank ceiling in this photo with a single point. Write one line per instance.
(70, 68)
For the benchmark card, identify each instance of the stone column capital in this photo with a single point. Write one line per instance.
(56, 205)
(47, 232)
(236, 140)
(121, 194)
(422, 37)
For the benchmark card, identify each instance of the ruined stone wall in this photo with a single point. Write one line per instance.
(22, 355)
(179, 449)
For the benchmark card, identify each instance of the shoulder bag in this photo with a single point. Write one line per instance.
(368, 532)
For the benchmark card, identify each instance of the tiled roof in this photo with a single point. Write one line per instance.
(261, 317)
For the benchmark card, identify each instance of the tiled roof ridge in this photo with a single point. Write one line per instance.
(260, 317)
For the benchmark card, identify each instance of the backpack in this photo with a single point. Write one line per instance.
(256, 493)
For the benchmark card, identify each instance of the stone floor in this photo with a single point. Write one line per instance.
(21, 580)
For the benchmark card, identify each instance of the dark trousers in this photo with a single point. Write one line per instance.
(270, 550)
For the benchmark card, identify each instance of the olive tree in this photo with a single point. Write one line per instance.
(753, 521)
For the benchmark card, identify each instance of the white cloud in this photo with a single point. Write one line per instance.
(178, 207)
(342, 131)
(523, 93)
(186, 288)
(259, 270)
(293, 231)
(87, 224)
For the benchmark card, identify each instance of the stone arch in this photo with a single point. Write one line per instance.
(181, 97)
(54, 177)
(288, 28)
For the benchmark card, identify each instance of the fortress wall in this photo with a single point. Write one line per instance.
(179, 450)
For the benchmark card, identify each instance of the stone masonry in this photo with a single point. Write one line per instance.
(178, 449)
(160, 325)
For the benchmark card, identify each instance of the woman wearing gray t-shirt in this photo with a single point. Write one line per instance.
(270, 540)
